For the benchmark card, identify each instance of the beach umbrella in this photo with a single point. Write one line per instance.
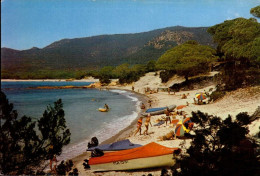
(201, 96)
(180, 107)
(187, 120)
(180, 128)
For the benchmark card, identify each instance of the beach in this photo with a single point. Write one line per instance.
(241, 100)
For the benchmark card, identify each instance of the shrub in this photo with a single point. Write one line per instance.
(217, 95)
(166, 75)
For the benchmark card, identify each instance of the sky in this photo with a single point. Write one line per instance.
(38, 23)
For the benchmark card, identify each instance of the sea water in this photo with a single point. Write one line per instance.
(81, 110)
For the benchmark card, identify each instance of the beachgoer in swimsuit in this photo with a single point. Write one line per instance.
(183, 96)
(147, 122)
(150, 103)
(169, 136)
(167, 113)
(142, 106)
(139, 126)
(106, 106)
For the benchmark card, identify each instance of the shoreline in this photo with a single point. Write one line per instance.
(234, 102)
(230, 104)
(50, 80)
(122, 134)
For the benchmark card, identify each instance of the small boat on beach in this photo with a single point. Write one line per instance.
(158, 111)
(116, 146)
(103, 109)
(148, 156)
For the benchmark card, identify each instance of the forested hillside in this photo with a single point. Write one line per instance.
(67, 57)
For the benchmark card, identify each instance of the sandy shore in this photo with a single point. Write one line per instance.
(241, 100)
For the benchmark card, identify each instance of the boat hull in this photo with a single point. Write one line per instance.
(138, 163)
(172, 107)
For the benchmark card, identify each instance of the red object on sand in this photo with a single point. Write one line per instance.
(181, 106)
(175, 121)
(150, 150)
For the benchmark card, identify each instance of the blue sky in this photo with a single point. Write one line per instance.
(29, 23)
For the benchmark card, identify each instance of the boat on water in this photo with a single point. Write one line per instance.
(103, 109)
(116, 146)
(148, 156)
(158, 111)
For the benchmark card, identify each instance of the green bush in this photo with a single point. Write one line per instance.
(166, 75)
(217, 95)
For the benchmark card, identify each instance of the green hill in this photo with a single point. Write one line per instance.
(81, 54)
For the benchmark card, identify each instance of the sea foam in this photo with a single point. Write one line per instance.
(107, 130)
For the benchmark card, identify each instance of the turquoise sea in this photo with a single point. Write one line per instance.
(81, 109)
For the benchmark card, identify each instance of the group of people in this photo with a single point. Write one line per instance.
(167, 118)
(140, 122)
(148, 122)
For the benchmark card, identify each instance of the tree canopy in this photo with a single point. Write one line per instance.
(128, 74)
(188, 59)
(255, 11)
(23, 147)
(238, 39)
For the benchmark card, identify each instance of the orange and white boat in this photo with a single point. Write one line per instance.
(148, 156)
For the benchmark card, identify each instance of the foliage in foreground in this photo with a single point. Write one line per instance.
(219, 147)
(25, 148)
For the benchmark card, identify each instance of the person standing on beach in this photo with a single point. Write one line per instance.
(142, 106)
(167, 113)
(150, 103)
(139, 126)
(147, 122)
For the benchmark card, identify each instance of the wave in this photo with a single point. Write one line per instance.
(126, 93)
(107, 130)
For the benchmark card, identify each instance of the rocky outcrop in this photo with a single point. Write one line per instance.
(170, 36)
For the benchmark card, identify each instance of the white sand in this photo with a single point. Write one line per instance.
(241, 100)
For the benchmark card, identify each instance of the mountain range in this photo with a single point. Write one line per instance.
(91, 53)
